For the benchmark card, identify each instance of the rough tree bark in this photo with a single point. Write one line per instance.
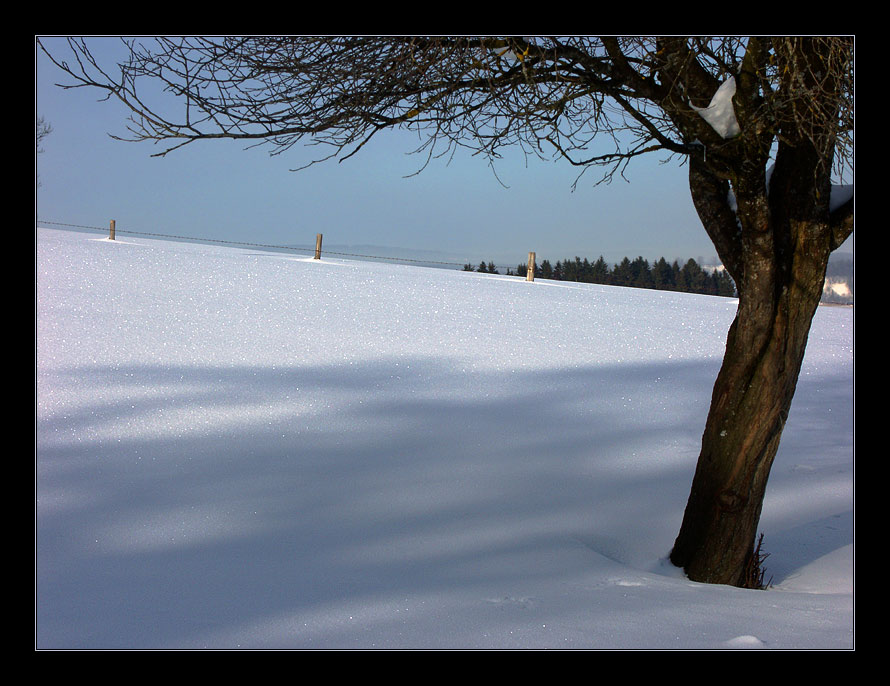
(776, 242)
(781, 288)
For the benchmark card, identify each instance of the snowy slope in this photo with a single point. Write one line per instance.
(238, 449)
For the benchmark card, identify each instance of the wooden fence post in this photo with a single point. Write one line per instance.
(318, 246)
(111, 231)
(530, 272)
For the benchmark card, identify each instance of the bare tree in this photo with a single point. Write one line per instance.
(43, 129)
(761, 122)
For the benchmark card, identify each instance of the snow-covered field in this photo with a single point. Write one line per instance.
(239, 449)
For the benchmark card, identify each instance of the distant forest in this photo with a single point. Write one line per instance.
(638, 273)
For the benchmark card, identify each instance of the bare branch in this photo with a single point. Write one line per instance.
(548, 96)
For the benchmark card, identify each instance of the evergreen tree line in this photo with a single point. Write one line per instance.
(689, 278)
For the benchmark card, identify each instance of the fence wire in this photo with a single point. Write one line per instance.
(260, 245)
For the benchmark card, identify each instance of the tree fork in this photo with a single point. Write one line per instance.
(783, 271)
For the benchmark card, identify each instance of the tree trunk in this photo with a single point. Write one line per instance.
(750, 404)
(779, 258)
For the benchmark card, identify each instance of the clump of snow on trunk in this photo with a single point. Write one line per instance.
(720, 113)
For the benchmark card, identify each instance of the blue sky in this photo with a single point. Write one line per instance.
(222, 191)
